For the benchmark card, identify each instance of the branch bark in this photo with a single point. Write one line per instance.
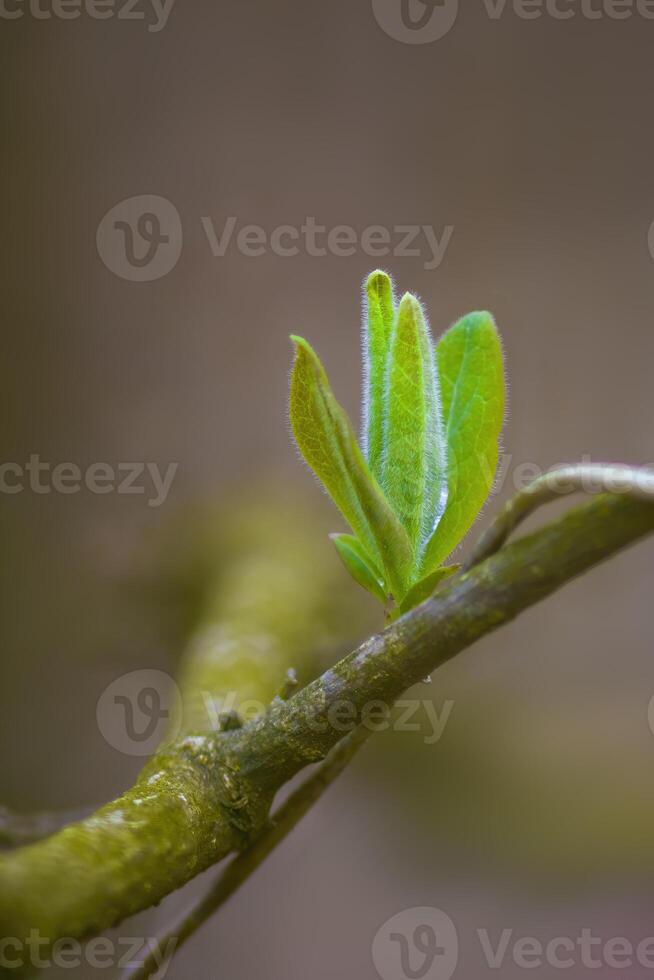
(465, 608)
(239, 869)
(633, 481)
(208, 794)
(268, 609)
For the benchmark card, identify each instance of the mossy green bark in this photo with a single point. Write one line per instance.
(269, 607)
(206, 794)
(465, 608)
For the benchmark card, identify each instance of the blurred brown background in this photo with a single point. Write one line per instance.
(532, 138)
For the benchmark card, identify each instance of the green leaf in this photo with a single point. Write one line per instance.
(426, 587)
(471, 371)
(360, 565)
(325, 438)
(377, 329)
(414, 476)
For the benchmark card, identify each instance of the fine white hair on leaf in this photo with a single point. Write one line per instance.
(366, 360)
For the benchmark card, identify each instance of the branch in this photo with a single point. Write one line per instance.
(565, 480)
(283, 821)
(465, 608)
(207, 795)
(634, 481)
(271, 608)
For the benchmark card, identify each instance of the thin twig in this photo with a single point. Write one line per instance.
(240, 868)
(632, 481)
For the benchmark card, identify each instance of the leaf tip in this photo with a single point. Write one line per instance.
(484, 316)
(379, 283)
(411, 317)
(481, 320)
(410, 305)
(304, 352)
